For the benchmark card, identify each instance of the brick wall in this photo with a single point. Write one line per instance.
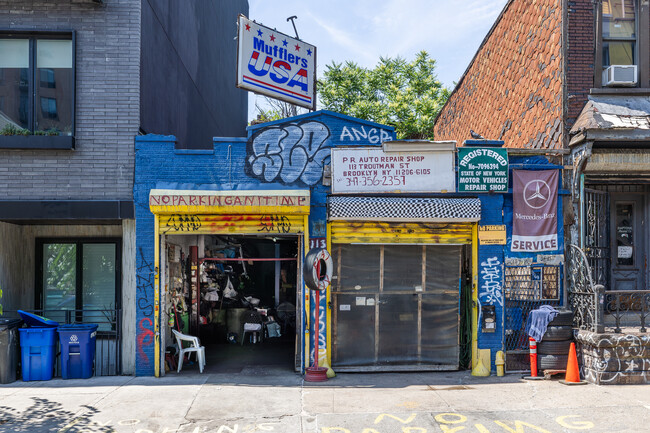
(107, 103)
(579, 56)
(512, 90)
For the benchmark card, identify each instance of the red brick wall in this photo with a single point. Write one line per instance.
(579, 56)
(512, 91)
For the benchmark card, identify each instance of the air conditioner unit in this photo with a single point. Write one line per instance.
(619, 75)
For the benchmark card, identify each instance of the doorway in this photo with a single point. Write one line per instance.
(628, 241)
(237, 293)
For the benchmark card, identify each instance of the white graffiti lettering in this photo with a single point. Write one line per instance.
(492, 287)
(372, 135)
(290, 153)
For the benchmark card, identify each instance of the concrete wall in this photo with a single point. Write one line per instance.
(188, 67)
(107, 103)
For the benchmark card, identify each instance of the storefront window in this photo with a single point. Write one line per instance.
(80, 281)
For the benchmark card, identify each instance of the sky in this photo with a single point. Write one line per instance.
(365, 30)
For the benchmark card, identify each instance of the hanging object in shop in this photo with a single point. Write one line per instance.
(276, 65)
(317, 269)
(482, 169)
(534, 216)
(317, 273)
(372, 169)
(492, 235)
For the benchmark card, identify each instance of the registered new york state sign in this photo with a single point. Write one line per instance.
(482, 169)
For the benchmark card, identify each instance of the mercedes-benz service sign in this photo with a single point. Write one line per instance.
(534, 216)
(276, 65)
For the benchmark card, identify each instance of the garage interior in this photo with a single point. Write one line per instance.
(238, 295)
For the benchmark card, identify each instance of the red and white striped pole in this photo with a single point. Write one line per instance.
(533, 356)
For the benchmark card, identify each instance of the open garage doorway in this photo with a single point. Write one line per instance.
(240, 294)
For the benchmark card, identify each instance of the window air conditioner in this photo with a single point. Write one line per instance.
(619, 75)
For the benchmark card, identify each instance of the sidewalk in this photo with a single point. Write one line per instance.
(264, 399)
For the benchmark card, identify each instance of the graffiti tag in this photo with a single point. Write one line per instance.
(372, 135)
(289, 153)
(274, 224)
(144, 285)
(145, 337)
(492, 287)
(184, 223)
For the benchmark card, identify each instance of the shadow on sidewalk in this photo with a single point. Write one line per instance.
(45, 416)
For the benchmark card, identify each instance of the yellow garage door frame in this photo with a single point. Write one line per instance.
(377, 232)
(233, 212)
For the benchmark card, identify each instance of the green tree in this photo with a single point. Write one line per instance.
(405, 95)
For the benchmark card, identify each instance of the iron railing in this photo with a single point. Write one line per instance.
(108, 348)
(598, 310)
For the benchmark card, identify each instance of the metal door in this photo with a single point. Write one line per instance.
(628, 237)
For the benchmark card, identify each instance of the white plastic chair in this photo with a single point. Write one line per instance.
(195, 347)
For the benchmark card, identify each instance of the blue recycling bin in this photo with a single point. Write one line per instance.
(77, 350)
(37, 350)
(37, 347)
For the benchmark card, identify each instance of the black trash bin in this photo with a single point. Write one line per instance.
(9, 349)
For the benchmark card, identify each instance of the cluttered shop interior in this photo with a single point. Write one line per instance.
(237, 294)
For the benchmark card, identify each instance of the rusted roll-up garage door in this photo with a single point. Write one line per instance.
(396, 293)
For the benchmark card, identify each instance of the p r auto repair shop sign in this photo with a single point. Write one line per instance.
(482, 169)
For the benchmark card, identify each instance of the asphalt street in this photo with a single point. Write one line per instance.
(275, 400)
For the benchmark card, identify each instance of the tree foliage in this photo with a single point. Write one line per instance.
(406, 95)
(275, 109)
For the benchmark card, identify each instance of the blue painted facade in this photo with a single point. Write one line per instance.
(288, 154)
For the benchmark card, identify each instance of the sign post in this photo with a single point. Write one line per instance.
(482, 169)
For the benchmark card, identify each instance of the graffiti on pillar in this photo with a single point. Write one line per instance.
(144, 285)
(145, 337)
(491, 289)
(289, 154)
(322, 329)
(144, 302)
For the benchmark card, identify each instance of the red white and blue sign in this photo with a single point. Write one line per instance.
(276, 65)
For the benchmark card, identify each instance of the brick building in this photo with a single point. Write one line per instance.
(79, 79)
(573, 79)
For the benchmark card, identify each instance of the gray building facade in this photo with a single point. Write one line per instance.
(79, 79)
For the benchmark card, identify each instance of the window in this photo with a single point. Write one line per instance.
(38, 83)
(619, 32)
(79, 279)
(622, 40)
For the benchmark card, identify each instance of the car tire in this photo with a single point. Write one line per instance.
(558, 333)
(564, 318)
(554, 347)
(552, 362)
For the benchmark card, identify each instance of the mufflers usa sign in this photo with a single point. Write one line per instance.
(276, 65)
(482, 169)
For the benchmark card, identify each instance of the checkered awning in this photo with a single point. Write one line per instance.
(404, 209)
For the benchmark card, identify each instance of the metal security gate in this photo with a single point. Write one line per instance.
(596, 234)
(395, 307)
(526, 288)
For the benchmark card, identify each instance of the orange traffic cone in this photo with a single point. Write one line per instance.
(572, 371)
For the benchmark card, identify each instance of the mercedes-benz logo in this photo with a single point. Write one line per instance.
(536, 193)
